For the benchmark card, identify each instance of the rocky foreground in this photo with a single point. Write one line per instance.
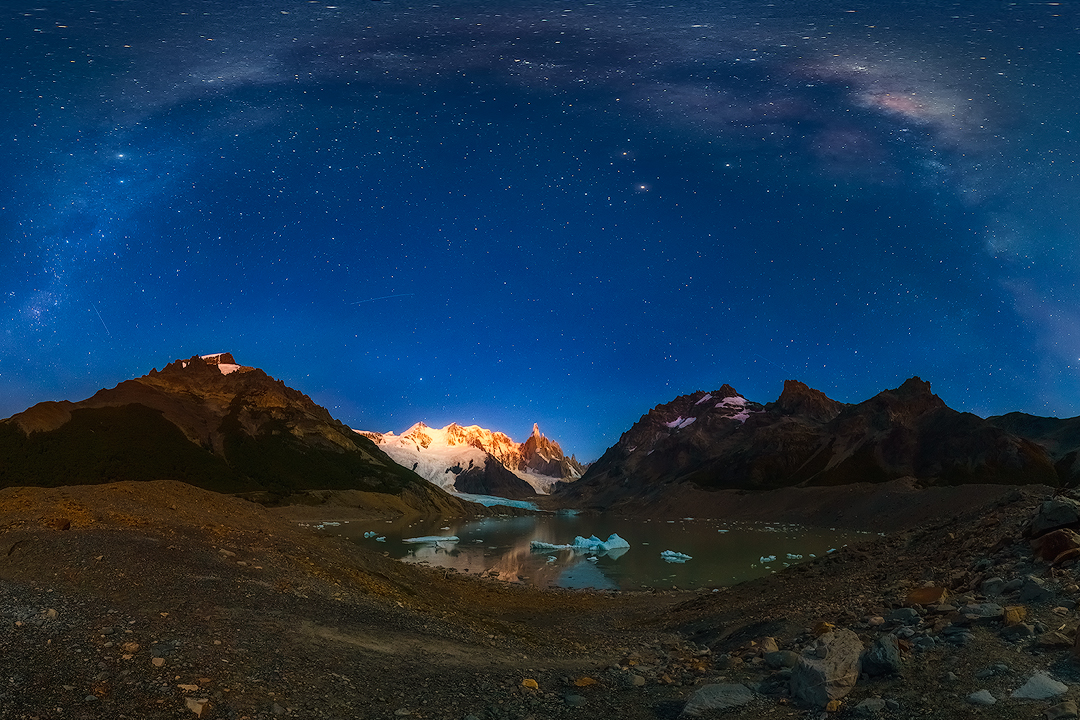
(148, 600)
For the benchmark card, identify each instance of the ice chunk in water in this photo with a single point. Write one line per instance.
(590, 544)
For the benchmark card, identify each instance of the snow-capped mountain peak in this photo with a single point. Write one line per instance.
(456, 456)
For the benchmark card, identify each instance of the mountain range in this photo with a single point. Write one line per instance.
(721, 440)
(472, 459)
(216, 424)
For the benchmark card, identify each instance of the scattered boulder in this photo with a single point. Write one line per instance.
(882, 658)
(196, 705)
(1040, 687)
(982, 612)
(1014, 615)
(870, 707)
(767, 645)
(1052, 640)
(1049, 546)
(717, 697)
(781, 659)
(929, 595)
(1055, 513)
(828, 669)
(1062, 711)
(1018, 631)
(904, 616)
(981, 697)
(992, 586)
(1034, 590)
(1067, 558)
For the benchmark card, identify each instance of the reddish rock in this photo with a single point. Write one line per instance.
(1014, 615)
(1053, 544)
(932, 595)
(1068, 557)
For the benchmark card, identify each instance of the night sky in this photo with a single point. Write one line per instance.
(508, 212)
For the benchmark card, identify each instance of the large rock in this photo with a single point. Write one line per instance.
(882, 658)
(1055, 513)
(827, 669)
(717, 697)
(1034, 590)
(1052, 544)
(1041, 687)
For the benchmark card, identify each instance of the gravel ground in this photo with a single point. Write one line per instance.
(147, 600)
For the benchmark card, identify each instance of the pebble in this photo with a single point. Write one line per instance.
(575, 701)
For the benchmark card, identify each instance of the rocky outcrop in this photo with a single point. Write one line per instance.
(491, 479)
(543, 456)
(720, 440)
(206, 421)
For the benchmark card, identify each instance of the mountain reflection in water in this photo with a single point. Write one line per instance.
(721, 553)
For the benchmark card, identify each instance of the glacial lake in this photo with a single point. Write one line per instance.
(721, 553)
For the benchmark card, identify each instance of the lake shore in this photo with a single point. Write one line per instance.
(161, 600)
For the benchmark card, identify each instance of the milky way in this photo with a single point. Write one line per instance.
(507, 213)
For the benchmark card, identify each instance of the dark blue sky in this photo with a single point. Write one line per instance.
(516, 212)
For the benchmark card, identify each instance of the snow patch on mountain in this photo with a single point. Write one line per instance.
(441, 454)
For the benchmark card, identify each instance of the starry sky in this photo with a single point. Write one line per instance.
(507, 212)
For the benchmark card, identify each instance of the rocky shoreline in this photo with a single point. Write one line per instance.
(147, 600)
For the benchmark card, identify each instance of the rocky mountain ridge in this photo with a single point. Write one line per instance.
(208, 421)
(720, 440)
(476, 460)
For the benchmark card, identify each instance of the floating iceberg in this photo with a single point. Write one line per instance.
(674, 557)
(767, 558)
(590, 544)
(370, 534)
(381, 538)
(431, 539)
